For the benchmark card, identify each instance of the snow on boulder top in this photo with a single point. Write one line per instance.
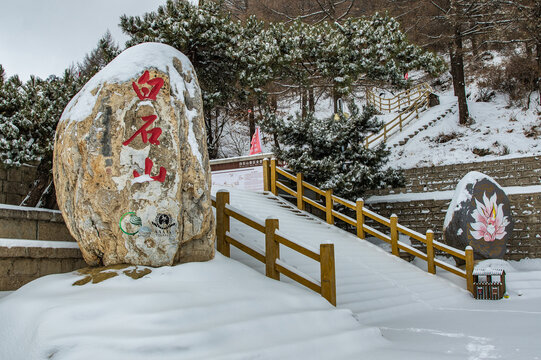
(461, 195)
(122, 69)
(130, 162)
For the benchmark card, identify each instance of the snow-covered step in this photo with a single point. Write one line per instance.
(371, 282)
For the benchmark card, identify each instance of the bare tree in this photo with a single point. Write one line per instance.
(446, 24)
(525, 28)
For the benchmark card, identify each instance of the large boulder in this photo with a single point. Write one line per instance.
(479, 216)
(131, 166)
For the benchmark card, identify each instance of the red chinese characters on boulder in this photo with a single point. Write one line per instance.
(153, 134)
(145, 93)
(148, 167)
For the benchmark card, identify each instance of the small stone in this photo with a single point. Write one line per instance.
(479, 216)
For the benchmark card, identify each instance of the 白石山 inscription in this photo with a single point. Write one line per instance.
(131, 166)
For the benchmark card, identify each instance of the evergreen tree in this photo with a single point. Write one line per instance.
(97, 59)
(29, 114)
(330, 153)
(236, 62)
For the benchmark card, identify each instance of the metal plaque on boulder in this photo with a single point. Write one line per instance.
(479, 216)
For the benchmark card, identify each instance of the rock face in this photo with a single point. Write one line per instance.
(480, 216)
(131, 166)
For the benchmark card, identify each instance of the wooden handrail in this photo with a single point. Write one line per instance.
(400, 97)
(414, 105)
(273, 238)
(402, 119)
(359, 222)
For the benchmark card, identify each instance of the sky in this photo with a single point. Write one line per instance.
(44, 37)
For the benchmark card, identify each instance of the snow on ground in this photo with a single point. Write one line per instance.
(387, 308)
(219, 309)
(500, 130)
(424, 316)
(9, 243)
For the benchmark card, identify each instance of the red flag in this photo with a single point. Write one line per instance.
(255, 147)
(406, 76)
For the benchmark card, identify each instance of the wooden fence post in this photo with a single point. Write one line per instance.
(385, 132)
(394, 235)
(469, 268)
(328, 277)
(222, 222)
(400, 120)
(300, 192)
(329, 206)
(360, 218)
(273, 176)
(430, 251)
(266, 173)
(272, 248)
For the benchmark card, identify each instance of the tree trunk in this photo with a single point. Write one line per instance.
(538, 47)
(211, 140)
(335, 98)
(459, 82)
(311, 100)
(43, 193)
(304, 103)
(452, 56)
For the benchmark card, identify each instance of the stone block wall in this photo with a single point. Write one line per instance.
(522, 171)
(15, 183)
(422, 215)
(20, 265)
(29, 259)
(17, 222)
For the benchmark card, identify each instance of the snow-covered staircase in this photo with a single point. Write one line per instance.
(423, 125)
(406, 105)
(371, 282)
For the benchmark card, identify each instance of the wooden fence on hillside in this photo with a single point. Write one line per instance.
(408, 103)
(271, 172)
(271, 255)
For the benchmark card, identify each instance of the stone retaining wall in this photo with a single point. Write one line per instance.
(15, 183)
(17, 222)
(20, 265)
(30, 259)
(422, 215)
(522, 171)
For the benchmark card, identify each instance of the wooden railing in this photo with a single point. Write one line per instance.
(414, 100)
(398, 101)
(271, 183)
(270, 256)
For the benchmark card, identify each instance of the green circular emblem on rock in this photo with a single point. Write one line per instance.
(134, 220)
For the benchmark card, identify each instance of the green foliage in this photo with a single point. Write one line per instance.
(330, 153)
(236, 62)
(97, 59)
(29, 112)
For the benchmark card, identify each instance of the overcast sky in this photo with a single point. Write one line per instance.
(43, 37)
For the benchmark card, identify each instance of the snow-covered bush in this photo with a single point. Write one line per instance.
(331, 153)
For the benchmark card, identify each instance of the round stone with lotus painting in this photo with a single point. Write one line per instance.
(479, 216)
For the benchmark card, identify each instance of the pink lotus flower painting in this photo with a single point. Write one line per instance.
(490, 222)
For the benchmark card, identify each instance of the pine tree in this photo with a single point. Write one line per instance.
(330, 153)
(29, 113)
(97, 59)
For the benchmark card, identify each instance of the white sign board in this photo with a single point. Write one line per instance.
(250, 178)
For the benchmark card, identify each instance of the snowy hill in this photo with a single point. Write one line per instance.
(499, 131)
